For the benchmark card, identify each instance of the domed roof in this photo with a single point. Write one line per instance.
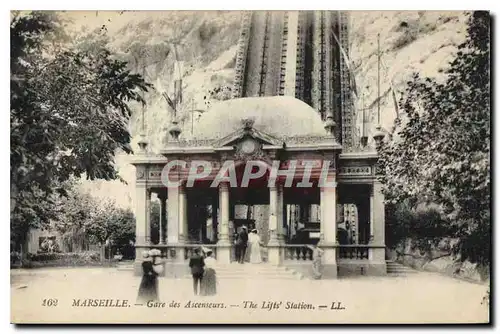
(280, 116)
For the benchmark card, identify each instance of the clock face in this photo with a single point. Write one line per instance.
(248, 146)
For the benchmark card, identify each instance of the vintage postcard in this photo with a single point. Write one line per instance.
(250, 167)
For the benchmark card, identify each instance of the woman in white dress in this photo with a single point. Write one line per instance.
(254, 243)
(208, 286)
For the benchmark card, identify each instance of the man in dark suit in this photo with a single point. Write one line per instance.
(196, 263)
(241, 244)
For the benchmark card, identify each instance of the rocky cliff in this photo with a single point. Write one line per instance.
(410, 42)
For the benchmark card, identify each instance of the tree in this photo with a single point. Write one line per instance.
(441, 153)
(85, 219)
(76, 211)
(111, 224)
(69, 114)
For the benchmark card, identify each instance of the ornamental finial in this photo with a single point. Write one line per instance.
(378, 136)
(330, 125)
(247, 123)
(175, 131)
(143, 143)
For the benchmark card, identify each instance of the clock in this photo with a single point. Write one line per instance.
(248, 146)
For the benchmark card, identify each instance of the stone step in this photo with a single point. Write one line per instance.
(400, 268)
(125, 268)
(397, 268)
(400, 271)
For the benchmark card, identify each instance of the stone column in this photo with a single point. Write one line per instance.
(377, 259)
(142, 223)
(274, 242)
(163, 217)
(223, 245)
(142, 199)
(328, 237)
(173, 216)
(281, 221)
(173, 229)
(280, 213)
(273, 215)
(183, 230)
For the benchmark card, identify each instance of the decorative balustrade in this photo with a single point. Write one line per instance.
(298, 252)
(177, 252)
(295, 253)
(353, 252)
(301, 253)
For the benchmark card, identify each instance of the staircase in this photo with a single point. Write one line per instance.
(397, 269)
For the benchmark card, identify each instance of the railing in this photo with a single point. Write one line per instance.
(176, 252)
(353, 252)
(291, 252)
(303, 252)
(298, 252)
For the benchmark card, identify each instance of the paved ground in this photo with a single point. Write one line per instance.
(421, 297)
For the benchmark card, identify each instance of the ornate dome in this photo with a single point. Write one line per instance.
(280, 116)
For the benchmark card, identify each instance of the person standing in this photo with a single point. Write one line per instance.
(148, 290)
(254, 243)
(197, 264)
(208, 286)
(316, 264)
(241, 244)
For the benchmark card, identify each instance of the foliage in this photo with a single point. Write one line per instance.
(66, 259)
(36, 210)
(155, 222)
(95, 221)
(69, 114)
(75, 211)
(45, 257)
(424, 226)
(219, 93)
(441, 153)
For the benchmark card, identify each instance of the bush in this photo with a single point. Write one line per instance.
(66, 259)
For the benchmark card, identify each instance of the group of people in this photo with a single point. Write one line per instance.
(202, 265)
(244, 241)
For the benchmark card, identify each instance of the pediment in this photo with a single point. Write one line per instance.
(247, 132)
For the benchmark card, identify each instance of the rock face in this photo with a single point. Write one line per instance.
(438, 259)
(421, 42)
